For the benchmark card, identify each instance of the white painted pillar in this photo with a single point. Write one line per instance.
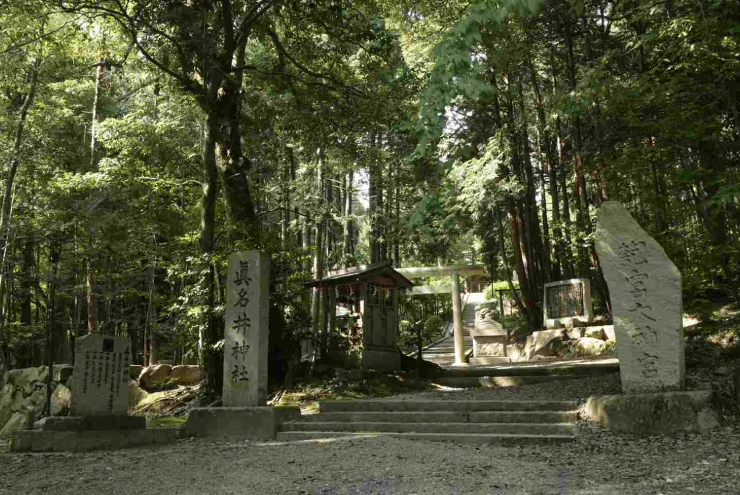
(457, 321)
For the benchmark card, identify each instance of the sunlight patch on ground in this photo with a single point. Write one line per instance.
(320, 441)
(443, 388)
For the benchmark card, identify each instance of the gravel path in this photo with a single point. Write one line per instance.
(599, 462)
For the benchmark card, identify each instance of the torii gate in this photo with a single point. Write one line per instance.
(454, 273)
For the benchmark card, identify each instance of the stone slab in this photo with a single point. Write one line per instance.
(255, 423)
(490, 360)
(645, 291)
(488, 346)
(488, 328)
(94, 423)
(83, 441)
(583, 310)
(655, 413)
(381, 360)
(247, 329)
(100, 376)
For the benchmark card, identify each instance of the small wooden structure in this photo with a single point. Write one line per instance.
(369, 296)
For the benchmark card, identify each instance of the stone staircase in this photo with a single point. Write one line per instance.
(442, 352)
(479, 421)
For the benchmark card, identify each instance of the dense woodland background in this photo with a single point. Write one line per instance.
(143, 141)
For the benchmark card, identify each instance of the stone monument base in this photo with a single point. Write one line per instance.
(650, 414)
(256, 423)
(92, 423)
(381, 359)
(82, 434)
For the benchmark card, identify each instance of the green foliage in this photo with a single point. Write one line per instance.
(434, 327)
(498, 285)
(167, 384)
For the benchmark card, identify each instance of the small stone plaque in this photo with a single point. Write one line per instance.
(645, 291)
(568, 301)
(246, 331)
(100, 376)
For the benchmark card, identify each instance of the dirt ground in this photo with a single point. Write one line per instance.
(598, 462)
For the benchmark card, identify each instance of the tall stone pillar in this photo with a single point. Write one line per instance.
(246, 332)
(645, 290)
(457, 320)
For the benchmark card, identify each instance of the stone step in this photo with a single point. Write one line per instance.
(498, 439)
(445, 416)
(439, 351)
(539, 369)
(406, 427)
(445, 405)
(490, 360)
(499, 381)
(442, 361)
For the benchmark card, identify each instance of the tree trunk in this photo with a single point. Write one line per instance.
(579, 181)
(349, 248)
(291, 161)
(150, 318)
(532, 218)
(15, 158)
(96, 105)
(212, 365)
(567, 260)
(27, 282)
(285, 211)
(232, 167)
(546, 264)
(380, 216)
(92, 310)
(397, 240)
(318, 259)
(54, 255)
(550, 166)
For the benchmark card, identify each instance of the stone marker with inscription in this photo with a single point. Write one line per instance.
(100, 376)
(645, 290)
(567, 302)
(246, 333)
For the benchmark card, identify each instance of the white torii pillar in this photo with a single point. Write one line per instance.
(457, 321)
(454, 273)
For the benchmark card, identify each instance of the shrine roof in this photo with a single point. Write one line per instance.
(381, 273)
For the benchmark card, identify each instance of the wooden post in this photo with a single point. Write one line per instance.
(457, 321)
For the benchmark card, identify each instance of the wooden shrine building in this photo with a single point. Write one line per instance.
(366, 298)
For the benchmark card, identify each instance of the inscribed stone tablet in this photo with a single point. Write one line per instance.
(568, 301)
(100, 376)
(645, 290)
(246, 332)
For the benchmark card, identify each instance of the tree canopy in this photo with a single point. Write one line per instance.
(143, 141)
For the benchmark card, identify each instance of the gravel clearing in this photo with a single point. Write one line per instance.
(599, 462)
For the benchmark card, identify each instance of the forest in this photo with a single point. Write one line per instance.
(143, 141)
